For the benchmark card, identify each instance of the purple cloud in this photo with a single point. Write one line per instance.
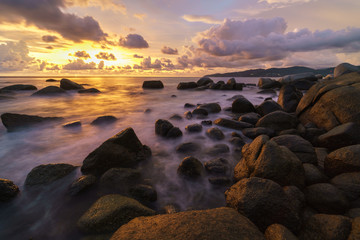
(133, 41)
(49, 38)
(79, 64)
(169, 50)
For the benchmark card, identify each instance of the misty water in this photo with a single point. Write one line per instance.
(49, 212)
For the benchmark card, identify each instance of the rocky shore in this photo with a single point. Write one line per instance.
(297, 178)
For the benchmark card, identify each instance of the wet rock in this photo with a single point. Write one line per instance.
(341, 136)
(13, 121)
(264, 202)
(326, 227)
(188, 147)
(162, 127)
(278, 121)
(89, 90)
(189, 105)
(242, 105)
(217, 166)
(237, 141)
(110, 212)
(267, 107)
(200, 112)
(302, 148)
(187, 85)
(188, 115)
(8, 190)
(144, 193)
(174, 132)
(206, 122)
(345, 68)
(19, 87)
(228, 123)
(176, 117)
(255, 132)
(81, 184)
(104, 120)
(119, 179)
(343, 160)
(220, 181)
(313, 175)
(191, 168)
(152, 84)
(251, 118)
(51, 80)
(289, 98)
(211, 107)
(213, 224)
(326, 198)
(349, 183)
(124, 150)
(266, 83)
(218, 149)
(48, 173)
(49, 90)
(67, 84)
(74, 124)
(194, 128)
(215, 133)
(279, 232)
(204, 81)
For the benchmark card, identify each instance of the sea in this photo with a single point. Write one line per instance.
(49, 212)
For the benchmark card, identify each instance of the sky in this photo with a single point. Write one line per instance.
(174, 38)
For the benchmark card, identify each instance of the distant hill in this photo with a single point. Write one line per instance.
(274, 72)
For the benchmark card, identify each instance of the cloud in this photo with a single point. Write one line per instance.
(101, 65)
(168, 50)
(81, 54)
(79, 64)
(14, 56)
(201, 18)
(133, 41)
(49, 38)
(48, 15)
(157, 64)
(137, 56)
(105, 56)
(104, 4)
(140, 16)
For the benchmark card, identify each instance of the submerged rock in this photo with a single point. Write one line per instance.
(193, 128)
(8, 190)
(50, 90)
(215, 133)
(211, 107)
(19, 87)
(104, 120)
(13, 121)
(67, 84)
(191, 168)
(89, 90)
(119, 179)
(187, 85)
(48, 173)
(188, 147)
(153, 84)
(74, 124)
(145, 193)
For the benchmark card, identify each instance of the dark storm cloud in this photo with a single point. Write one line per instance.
(133, 41)
(169, 50)
(106, 56)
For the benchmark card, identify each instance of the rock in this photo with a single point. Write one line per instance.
(302, 148)
(188, 115)
(119, 179)
(49, 90)
(267, 91)
(217, 166)
(204, 81)
(74, 124)
(237, 142)
(251, 118)
(231, 81)
(341, 136)
(48, 173)
(110, 212)
(200, 112)
(174, 132)
(264, 202)
(186, 85)
(218, 149)
(329, 77)
(266, 83)
(289, 98)
(291, 131)
(304, 84)
(345, 68)
(279, 232)
(206, 122)
(211, 107)
(188, 147)
(176, 117)
(124, 150)
(19, 87)
(51, 80)
(266, 159)
(353, 213)
(162, 127)
(215, 133)
(81, 184)
(355, 231)
(220, 181)
(321, 154)
(332, 103)
(278, 121)
(313, 175)
(144, 193)
(189, 105)
(228, 123)
(292, 79)
(8, 190)
(267, 107)
(255, 132)
(349, 183)
(326, 227)
(212, 224)
(326, 198)
(104, 120)
(296, 197)
(194, 128)
(343, 160)
(242, 105)
(89, 90)
(13, 121)
(153, 84)
(191, 168)
(67, 84)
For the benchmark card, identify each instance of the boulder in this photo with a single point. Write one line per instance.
(289, 98)
(255, 132)
(251, 118)
(355, 231)
(301, 147)
(326, 227)
(278, 121)
(143, 193)
(176, 117)
(206, 122)
(13, 121)
(211, 107)
(190, 167)
(110, 212)
(89, 90)
(217, 149)
(104, 120)
(74, 124)
(217, 166)
(162, 127)
(215, 133)
(189, 105)
(341, 136)
(264, 202)
(212, 224)
(186, 85)
(313, 175)
(237, 142)
(81, 184)
(220, 181)
(153, 84)
(18, 87)
(124, 150)
(194, 128)
(204, 81)
(332, 103)
(343, 160)
(119, 180)
(242, 105)
(174, 132)
(279, 232)
(266, 83)
(188, 147)
(267, 107)
(349, 183)
(8, 190)
(51, 80)
(228, 123)
(345, 68)
(326, 198)
(231, 81)
(201, 112)
(49, 90)
(67, 84)
(48, 173)
(266, 159)
(292, 79)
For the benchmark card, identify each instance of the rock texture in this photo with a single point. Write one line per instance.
(13, 121)
(289, 98)
(278, 121)
(67, 84)
(50, 90)
(343, 160)
(341, 136)
(8, 190)
(153, 84)
(47, 173)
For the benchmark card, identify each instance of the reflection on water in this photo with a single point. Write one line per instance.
(50, 212)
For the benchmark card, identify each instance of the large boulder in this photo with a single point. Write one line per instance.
(48, 173)
(343, 160)
(294, 78)
(119, 180)
(341, 136)
(124, 150)
(204, 81)
(186, 85)
(267, 107)
(345, 68)
(289, 98)
(13, 121)
(266, 83)
(110, 212)
(266, 159)
(332, 103)
(264, 202)
(49, 90)
(228, 123)
(242, 105)
(211, 107)
(18, 87)
(67, 84)
(153, 84)
(278, 121)
(81, 184)
(212, 224)
(349, 183)
(8, 190)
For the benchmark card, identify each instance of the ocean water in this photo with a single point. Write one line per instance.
(48, 212)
